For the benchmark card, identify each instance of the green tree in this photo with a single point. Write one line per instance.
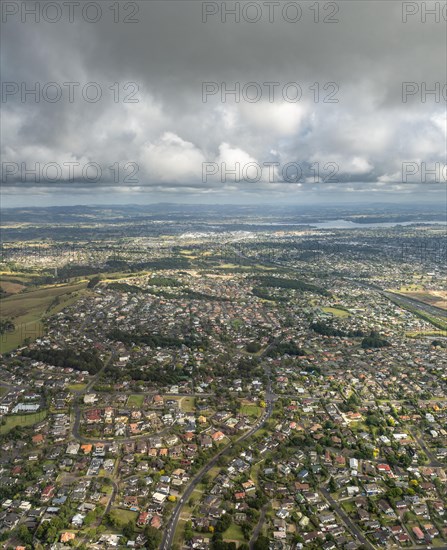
(262, 543)
(129, 530)
(153, 537)
(25, 535)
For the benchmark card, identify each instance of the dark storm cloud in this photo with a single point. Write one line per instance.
(171, 131)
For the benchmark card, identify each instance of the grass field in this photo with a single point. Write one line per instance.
(76, 387)
(28, 309)
(106, 489)
(254, 473)
(336, 312)
(412, 287)
(250, 409)
(18, 277)
(234, 532)
(135, 400)
(117, 275)
(348, 507)
(123, 516)
(214, 471)
(178, 536)
(422, 334)
(10, 287)
(187, 404)
(38, 300)
(430, 297)
(22, 420)
(187, 254)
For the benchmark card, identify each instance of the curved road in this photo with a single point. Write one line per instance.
(168, 538)
(76, 433)
(258, 527)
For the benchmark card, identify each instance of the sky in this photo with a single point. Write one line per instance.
(223, 102)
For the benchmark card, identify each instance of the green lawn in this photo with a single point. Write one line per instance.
(336, 312)
(212, 473)
(22, 420)
(116, 276)
(349, 507)
(107, 489)
(178, 535)
(135, 400)
(234, 532)
(254, 475)
(188, 404)
(250, 409)
(422, 333)
(123, 516)
(76, 387)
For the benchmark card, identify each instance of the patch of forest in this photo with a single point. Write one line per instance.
(292, 284)
(67, 359)
(327, 329)
(282, 348)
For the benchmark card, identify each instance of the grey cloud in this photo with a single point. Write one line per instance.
(170, 52)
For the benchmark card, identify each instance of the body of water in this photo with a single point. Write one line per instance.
(345, 224)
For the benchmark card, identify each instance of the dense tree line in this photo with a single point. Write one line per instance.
(157, 375)
(117, 264)
(438, 343)
(294, 284)
(282, 348)
(195, 295)
(154, 373)
(178, 262)
(73, 270)
(125, 287)
(94, 281)
(327, 329)
(163, 281)
(67, 358)
(253, 347)
(264, 295)
(248, 368)
(374, 340)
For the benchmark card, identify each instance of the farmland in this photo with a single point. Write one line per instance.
(28, 310)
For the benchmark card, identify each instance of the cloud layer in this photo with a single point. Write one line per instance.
(345, 107)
